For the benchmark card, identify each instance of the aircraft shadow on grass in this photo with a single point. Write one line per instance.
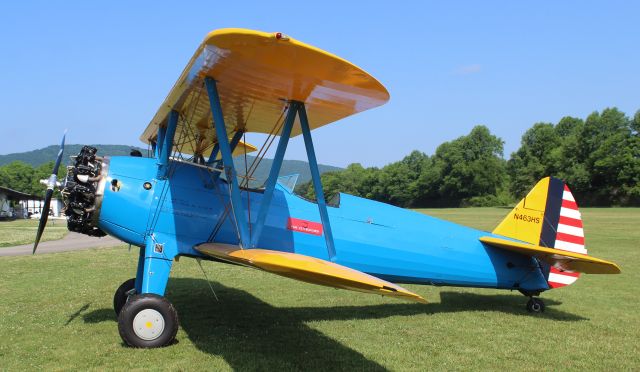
(252, 334)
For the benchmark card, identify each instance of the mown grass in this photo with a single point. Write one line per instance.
(20, 232)
(57, 315)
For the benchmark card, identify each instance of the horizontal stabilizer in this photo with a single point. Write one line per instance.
(307, 269)
(560, 259)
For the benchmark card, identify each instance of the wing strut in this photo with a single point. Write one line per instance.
(273, 173)
(227, 161)
(165, 143)
(317, 184)
(213, 155)
(295, 108)
(216, 148)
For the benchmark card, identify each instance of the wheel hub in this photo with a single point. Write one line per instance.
(148, 324)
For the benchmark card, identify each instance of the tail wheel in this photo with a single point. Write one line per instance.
(535, 305)
(148, 321)
(120, 297)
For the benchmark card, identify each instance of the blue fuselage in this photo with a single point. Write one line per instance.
(391, 243)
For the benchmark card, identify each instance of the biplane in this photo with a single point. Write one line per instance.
(189, 199)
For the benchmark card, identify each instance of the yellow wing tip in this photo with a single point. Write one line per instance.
(615, 268)
(403, 293)
(231, 30)
(419, 299)
(244, 147)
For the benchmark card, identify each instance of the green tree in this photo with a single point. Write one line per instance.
(599, 158)
(538, 156)
(461, 170)
(23, 177)
(399, 183)
(18, 176)
(355, 180)
(611, 157)
(570, 166)
(635, 124)
(470, 166)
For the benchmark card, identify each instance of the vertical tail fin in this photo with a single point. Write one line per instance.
(548, 216)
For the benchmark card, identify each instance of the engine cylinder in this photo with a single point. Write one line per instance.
(82, 192)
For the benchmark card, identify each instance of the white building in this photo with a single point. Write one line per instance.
(16, 204)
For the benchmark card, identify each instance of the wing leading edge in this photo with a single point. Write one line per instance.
(307, 269)
(257, 74)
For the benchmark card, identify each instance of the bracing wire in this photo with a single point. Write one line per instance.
(263, 150)
(187, 133)
(171, 166)
(267, 144)
(246, 174)
(206, 277)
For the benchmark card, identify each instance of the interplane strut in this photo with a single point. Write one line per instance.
(296, 109)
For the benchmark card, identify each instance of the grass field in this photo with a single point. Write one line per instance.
(57, 315)
(20, 232)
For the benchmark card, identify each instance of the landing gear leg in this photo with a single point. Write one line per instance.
(535, 305)
(147, 319)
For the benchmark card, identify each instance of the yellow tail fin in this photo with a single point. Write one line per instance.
(525, 221)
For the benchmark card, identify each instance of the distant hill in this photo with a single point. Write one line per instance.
(288, 167)
(49, 153)
(41, 156)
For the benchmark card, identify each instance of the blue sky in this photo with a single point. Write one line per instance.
(102, 69)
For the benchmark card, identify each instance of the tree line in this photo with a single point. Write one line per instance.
(23, 177)
(598, 157)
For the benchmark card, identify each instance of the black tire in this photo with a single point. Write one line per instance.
(148, 321)
(535, 305)
(120, 297)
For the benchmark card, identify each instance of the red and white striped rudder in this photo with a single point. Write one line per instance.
(569, 236)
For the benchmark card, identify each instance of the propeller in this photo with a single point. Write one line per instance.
(51, 183)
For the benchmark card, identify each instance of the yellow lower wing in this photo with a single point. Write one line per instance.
(564, 260)
(307, 269)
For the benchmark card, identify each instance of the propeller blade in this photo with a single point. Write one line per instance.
(59, 159)
(51, 184)
(43, 218)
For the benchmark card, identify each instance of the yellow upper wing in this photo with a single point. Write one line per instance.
(307, 269)
(564, 260)
(256, 73)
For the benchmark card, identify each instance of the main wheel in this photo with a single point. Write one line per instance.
(148, 321)
(535, 305)
(120, 297)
